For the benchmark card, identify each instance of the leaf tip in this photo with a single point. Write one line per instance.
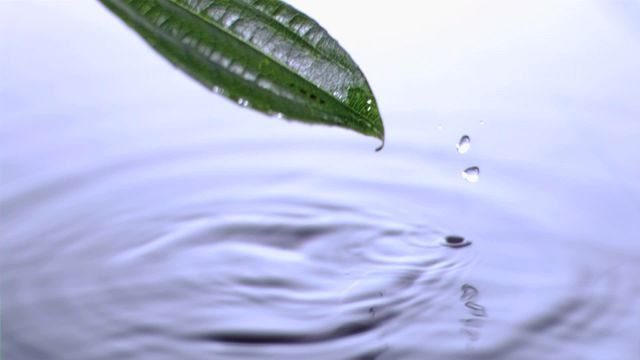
(379, 133)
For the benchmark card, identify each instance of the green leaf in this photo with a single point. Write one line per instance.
(262, 54)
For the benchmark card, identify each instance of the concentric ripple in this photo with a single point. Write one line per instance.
(202, 272)
(186, 257)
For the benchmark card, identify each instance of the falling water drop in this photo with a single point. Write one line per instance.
(464, 144)
(439, 126)
(481, 122)
(471, 174)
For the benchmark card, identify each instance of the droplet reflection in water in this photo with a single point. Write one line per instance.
(474, 321)
(456, 241)
(464, 144)
(471, 174)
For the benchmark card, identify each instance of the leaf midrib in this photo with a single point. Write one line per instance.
(309, 45)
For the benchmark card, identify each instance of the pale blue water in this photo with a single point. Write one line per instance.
(143, 217)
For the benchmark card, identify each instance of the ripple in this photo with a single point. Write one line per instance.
(174, 257)
(263, 272)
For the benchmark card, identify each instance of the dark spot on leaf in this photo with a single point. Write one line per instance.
(303, 91)
(314, 97)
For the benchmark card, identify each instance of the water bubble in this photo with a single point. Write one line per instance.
(456, 241)
(471, 174)
(243, 102)
(464, 144)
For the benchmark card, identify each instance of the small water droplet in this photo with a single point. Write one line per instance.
(439, 126)
(275, 114)
(216, 89)
(456, 241)
(481, 122)
(471, 174)
(243, 102)
(464, 144)
(369, 102)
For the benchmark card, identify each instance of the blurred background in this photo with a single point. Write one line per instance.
(144, 217)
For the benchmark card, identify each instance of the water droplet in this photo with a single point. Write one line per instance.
(481, 122)
(243, 102)
(369, 102)
(275, 114)
(217, 90)
(464, 144)
(456, 241)
(471, 174)
(439, 126)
